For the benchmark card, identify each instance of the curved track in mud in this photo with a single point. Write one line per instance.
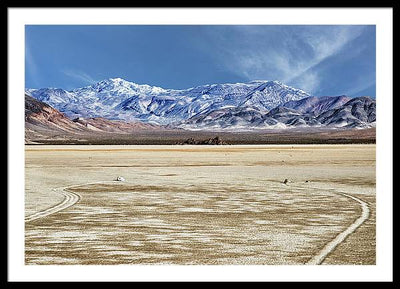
(70, 199)
(330, 247)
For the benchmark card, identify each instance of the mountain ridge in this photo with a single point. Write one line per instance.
(256, 104)
(116, 98)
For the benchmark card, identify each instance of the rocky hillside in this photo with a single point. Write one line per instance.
(42, 120)
(42, 117)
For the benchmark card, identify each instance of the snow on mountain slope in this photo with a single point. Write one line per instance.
(309, 112)
(253, 105)
(225, 118)
(358, 112)
(270, 94)
(116, 98)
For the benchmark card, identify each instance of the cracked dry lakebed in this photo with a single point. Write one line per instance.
(200, 204)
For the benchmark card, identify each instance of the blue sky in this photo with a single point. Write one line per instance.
(322, 60)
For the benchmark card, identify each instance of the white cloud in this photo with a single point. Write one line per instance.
(82, 76)
(325, 43)
(308, 81)
(281, 53)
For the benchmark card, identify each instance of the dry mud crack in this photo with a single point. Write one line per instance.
(71, 198)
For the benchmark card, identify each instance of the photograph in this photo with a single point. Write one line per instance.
(210, 143)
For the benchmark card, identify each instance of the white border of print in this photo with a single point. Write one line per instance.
(18, 17)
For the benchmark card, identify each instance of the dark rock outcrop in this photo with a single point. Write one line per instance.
(211, 141)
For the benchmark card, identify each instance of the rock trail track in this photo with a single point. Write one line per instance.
(72, 198)
(330, 246)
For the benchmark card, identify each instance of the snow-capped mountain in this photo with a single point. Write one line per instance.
(231, 106)
(116, 98)
(101, 99)
(329, 111)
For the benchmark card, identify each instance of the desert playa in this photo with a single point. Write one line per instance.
(183, 204)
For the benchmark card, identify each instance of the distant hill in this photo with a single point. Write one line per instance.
(44, 121)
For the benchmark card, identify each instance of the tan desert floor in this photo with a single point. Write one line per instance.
(198, 204)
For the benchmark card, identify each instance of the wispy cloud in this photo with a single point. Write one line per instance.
(31, 66)
(361, 86)
(79, 75)
(285, 53)
(324, 44)
(308, 81)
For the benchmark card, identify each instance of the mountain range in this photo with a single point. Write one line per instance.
(232, 106)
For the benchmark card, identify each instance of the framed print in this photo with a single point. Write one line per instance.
(178, 142)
